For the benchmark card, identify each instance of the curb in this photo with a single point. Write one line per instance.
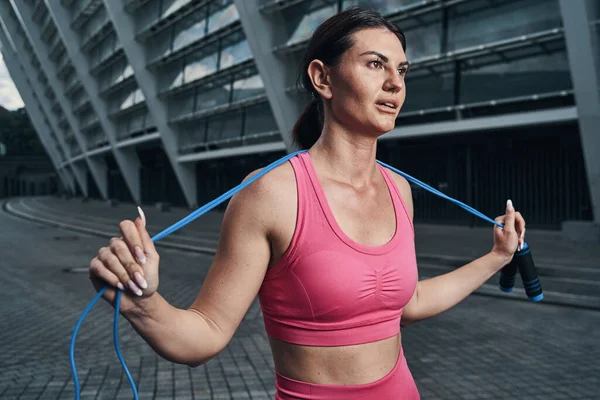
(550, 298)
(12, 211)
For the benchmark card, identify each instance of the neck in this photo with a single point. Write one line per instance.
(346, 156)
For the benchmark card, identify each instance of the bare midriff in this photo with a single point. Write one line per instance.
(340, 365)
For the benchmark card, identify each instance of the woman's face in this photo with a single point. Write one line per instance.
(367, 86)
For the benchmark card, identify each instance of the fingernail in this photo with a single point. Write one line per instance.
(142, 215)
(509, 205)
(120, 286)
(134, 288)
(140, 280)
(140, 255)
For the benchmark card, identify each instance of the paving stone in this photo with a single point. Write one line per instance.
(484, 348)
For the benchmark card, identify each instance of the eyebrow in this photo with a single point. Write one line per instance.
(384, 58)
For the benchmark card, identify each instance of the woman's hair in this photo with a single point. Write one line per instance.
(329, 41)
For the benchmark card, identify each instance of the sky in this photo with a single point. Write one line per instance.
(9, 96)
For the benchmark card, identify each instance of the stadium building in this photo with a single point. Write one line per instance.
(178, 100)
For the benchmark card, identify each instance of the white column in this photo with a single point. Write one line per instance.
(125, 28)
(127, 159)
(34, 111)
(15, 57)
(97, 167)
(585, 75)
(261, 31)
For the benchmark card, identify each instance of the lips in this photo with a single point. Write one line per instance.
(387, 108)
(390, 103)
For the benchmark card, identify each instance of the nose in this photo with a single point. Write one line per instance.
(394, 83)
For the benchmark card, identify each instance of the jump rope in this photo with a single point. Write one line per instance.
(522, 261)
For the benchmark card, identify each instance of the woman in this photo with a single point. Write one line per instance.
(325, 240)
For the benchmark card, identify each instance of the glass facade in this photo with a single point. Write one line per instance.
(196, 84)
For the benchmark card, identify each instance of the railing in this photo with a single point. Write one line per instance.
(131, 5)
(55, 49)
(47, 27)
(89, 125)
(64, 67)
(118, 85)
(107, 61)
(71, 88)
(208, 78)
(82, 106)
(246, 140)
(278, 5)
(97, 36)
(84, 13)
(499, 48)
(495, 107)
(38, 11)
(168, 20)
(144, 134)
(220, 109)
(213, 37)
(136, 137)
(131, 109)
(413, 10)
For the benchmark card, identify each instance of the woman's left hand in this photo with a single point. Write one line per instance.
(509, 239)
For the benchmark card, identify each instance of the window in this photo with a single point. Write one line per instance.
(259, 119)
(248, 87)
(477, 23)
(235, 54)
(189, 29)
(198, 65)
(310, 22)
(223, 13)
(225, 126)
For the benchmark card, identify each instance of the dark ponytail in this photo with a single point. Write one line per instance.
(308, 127)
(328, 42)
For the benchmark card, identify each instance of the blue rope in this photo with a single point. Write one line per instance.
(435, 191)
(200, 211)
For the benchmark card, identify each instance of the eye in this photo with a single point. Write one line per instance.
(403, 70)
(376, 63)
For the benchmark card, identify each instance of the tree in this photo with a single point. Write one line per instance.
(18, 135)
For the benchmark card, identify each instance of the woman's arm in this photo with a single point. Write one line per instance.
(438, 294)
(195, 335)
(435, 295)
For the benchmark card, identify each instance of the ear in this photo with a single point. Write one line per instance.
(320, 75)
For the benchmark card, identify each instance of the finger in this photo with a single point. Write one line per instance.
(126, 261)
(98, 270)
(520, 228)
(148, 244)
(112, 263)
(500, 220)
(519, 224)
(142, 215)
(132, 238)
(509, 221)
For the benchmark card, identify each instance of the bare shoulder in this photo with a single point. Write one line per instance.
(272, 186)
(405, 190)
(270, 195)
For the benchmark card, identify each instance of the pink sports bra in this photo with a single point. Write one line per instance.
(327, 289)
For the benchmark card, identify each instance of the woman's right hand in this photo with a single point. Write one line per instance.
(129, 263)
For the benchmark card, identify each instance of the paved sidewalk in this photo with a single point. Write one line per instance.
(484, 348)
(447, 240)
(569, 271)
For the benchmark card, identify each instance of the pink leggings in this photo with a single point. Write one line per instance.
(398, 384)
